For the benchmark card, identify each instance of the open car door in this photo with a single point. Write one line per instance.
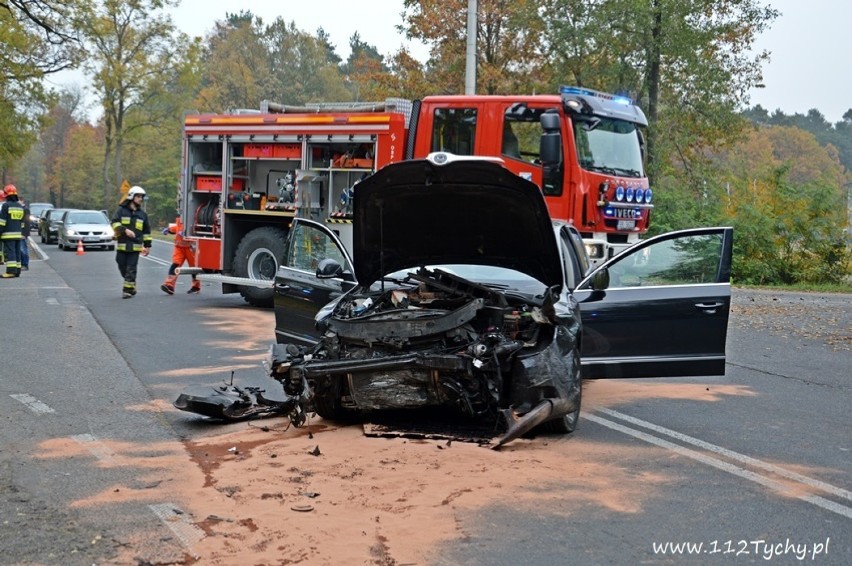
(665, 310)
(299, 293)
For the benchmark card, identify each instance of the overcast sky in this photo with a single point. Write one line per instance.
(810, 42)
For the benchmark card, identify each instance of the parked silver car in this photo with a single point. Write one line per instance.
(91, 227)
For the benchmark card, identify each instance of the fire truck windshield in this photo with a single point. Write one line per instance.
(608, 146)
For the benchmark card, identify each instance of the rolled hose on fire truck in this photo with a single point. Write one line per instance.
(207, 218)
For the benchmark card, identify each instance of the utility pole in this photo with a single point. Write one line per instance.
(470, 60)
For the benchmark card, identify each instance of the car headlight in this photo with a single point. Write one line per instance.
(70, 232)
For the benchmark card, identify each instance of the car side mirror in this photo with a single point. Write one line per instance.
(600, 280)
(329, 268)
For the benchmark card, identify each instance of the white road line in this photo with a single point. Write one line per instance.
(32, 403)
(817, 484)
(724, 466)
(157, 260)
(178, 522)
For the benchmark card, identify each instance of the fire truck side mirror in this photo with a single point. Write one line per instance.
(550, 153)
(550, 146)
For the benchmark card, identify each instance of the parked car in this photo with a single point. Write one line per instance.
(92, 228)
(462, 294)
(36, 208)
(48, 224)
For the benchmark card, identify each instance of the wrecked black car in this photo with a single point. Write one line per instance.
(463, 295)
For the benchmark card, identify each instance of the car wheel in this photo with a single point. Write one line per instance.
(257, 257)
(568, 423)
(327, 402)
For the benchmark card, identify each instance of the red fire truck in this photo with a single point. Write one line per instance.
(247, 173)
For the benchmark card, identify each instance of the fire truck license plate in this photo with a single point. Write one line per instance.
(625, 225)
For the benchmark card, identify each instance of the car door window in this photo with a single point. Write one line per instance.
(310, 245)
(691, 260)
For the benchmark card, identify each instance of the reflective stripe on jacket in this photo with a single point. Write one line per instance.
(135, 220)
(11, 220)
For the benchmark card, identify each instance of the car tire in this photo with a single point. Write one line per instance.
(258, 256)
(567, 424)
(327, 402)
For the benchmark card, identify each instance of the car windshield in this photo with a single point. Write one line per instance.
(86, 218)
(497, 277)
(608, 146)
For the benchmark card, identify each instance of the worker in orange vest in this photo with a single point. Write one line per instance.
(183, 252)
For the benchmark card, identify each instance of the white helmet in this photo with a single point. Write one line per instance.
(135, 190)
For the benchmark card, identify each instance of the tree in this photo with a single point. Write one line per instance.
(77, 167)
(37, 40)
(690, 64)
(134, 56)
(302, 69)
(363, 69)
(406, 78)
(507, 43)
(786, 201)
(237, 67)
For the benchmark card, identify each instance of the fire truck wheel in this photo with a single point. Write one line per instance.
(257, 257)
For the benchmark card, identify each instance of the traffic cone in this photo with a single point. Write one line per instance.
(80, 249)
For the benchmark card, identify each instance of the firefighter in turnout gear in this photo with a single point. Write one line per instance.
(133, 235)
(184, 251)
(2, 198)
(12, 217)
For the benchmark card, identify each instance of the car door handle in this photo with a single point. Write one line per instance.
(282, 287)
(709, 307)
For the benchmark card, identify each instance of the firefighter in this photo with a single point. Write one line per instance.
(133, 235)
(12, 217)
(184, 251)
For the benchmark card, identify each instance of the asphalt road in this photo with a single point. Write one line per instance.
(755, 466)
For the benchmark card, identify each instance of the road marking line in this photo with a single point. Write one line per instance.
(98, 449)
(178, 522)
(724, 466)
(157, 260)
(817, 484)
(32, 403)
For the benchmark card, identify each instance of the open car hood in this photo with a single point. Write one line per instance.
(452, 210)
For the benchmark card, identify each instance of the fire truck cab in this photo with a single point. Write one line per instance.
(584, 148)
